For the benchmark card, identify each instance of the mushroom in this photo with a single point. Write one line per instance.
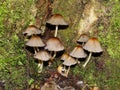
(78, 52)
(69, 62)
(42, 56)
(35, 42)
(62, 70)
(83, 39)
(32, 30)
(64, 56)
(92, 46)
(54, 44)
(58, 21)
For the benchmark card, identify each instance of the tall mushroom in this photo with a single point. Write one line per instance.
(58, 21)
(42, 56)
(35, 42)
(78, 52)
(54, 44)
(92, 46)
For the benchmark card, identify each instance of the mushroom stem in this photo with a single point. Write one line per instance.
(40, 66)
(54, 55)
(35, 50)
(56, 29)
(83, 43)
(67, 71)
(88, 59)
(78, 61)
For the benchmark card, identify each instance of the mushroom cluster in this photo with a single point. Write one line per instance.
(85, 44)
(36, 43)
(46, 51)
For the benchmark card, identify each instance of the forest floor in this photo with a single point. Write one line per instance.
(52, 79)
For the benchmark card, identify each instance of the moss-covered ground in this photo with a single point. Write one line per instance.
(15, 62)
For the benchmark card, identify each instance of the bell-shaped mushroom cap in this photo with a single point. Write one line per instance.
(57, 19)
(69, 61)
(64, 56)
(93, 45)
(78, 52)
(31, 30)
(83, 38)
(35, 41)
(42, 55)
(54, 44)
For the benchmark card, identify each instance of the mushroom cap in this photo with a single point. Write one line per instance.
(54, 44)
(69, 61)
(31, 30)
(42, 55)
(83, 38)
(57, 19)
(64, 56)
(35, 41)
(78, 52)
(93, 45)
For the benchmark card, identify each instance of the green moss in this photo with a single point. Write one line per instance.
(15, 15)
(110, 37)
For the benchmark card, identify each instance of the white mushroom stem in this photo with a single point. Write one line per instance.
(78, 61)
(35, 50)
(88, 59)
(54, 55)
(56, 29)
(40, 66)
(83, 43)
(67, 71)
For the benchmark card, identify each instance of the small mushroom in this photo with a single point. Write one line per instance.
(62, 70)
(83, 39)
(35, 42)
(92, 46)
(42, 56)
(69, 62)
(32, 30)
(54, 44)
(58, 21)
(78, 52)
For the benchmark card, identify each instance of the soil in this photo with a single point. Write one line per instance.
(62, 82)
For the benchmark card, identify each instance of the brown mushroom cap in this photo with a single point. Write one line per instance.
(83, 38)
(35, 41)
(78, 52)
(42, 55)
(31, 30)
(69, 61)
(64, 56)
(54, 44)
(93, 45)
(57, 19)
